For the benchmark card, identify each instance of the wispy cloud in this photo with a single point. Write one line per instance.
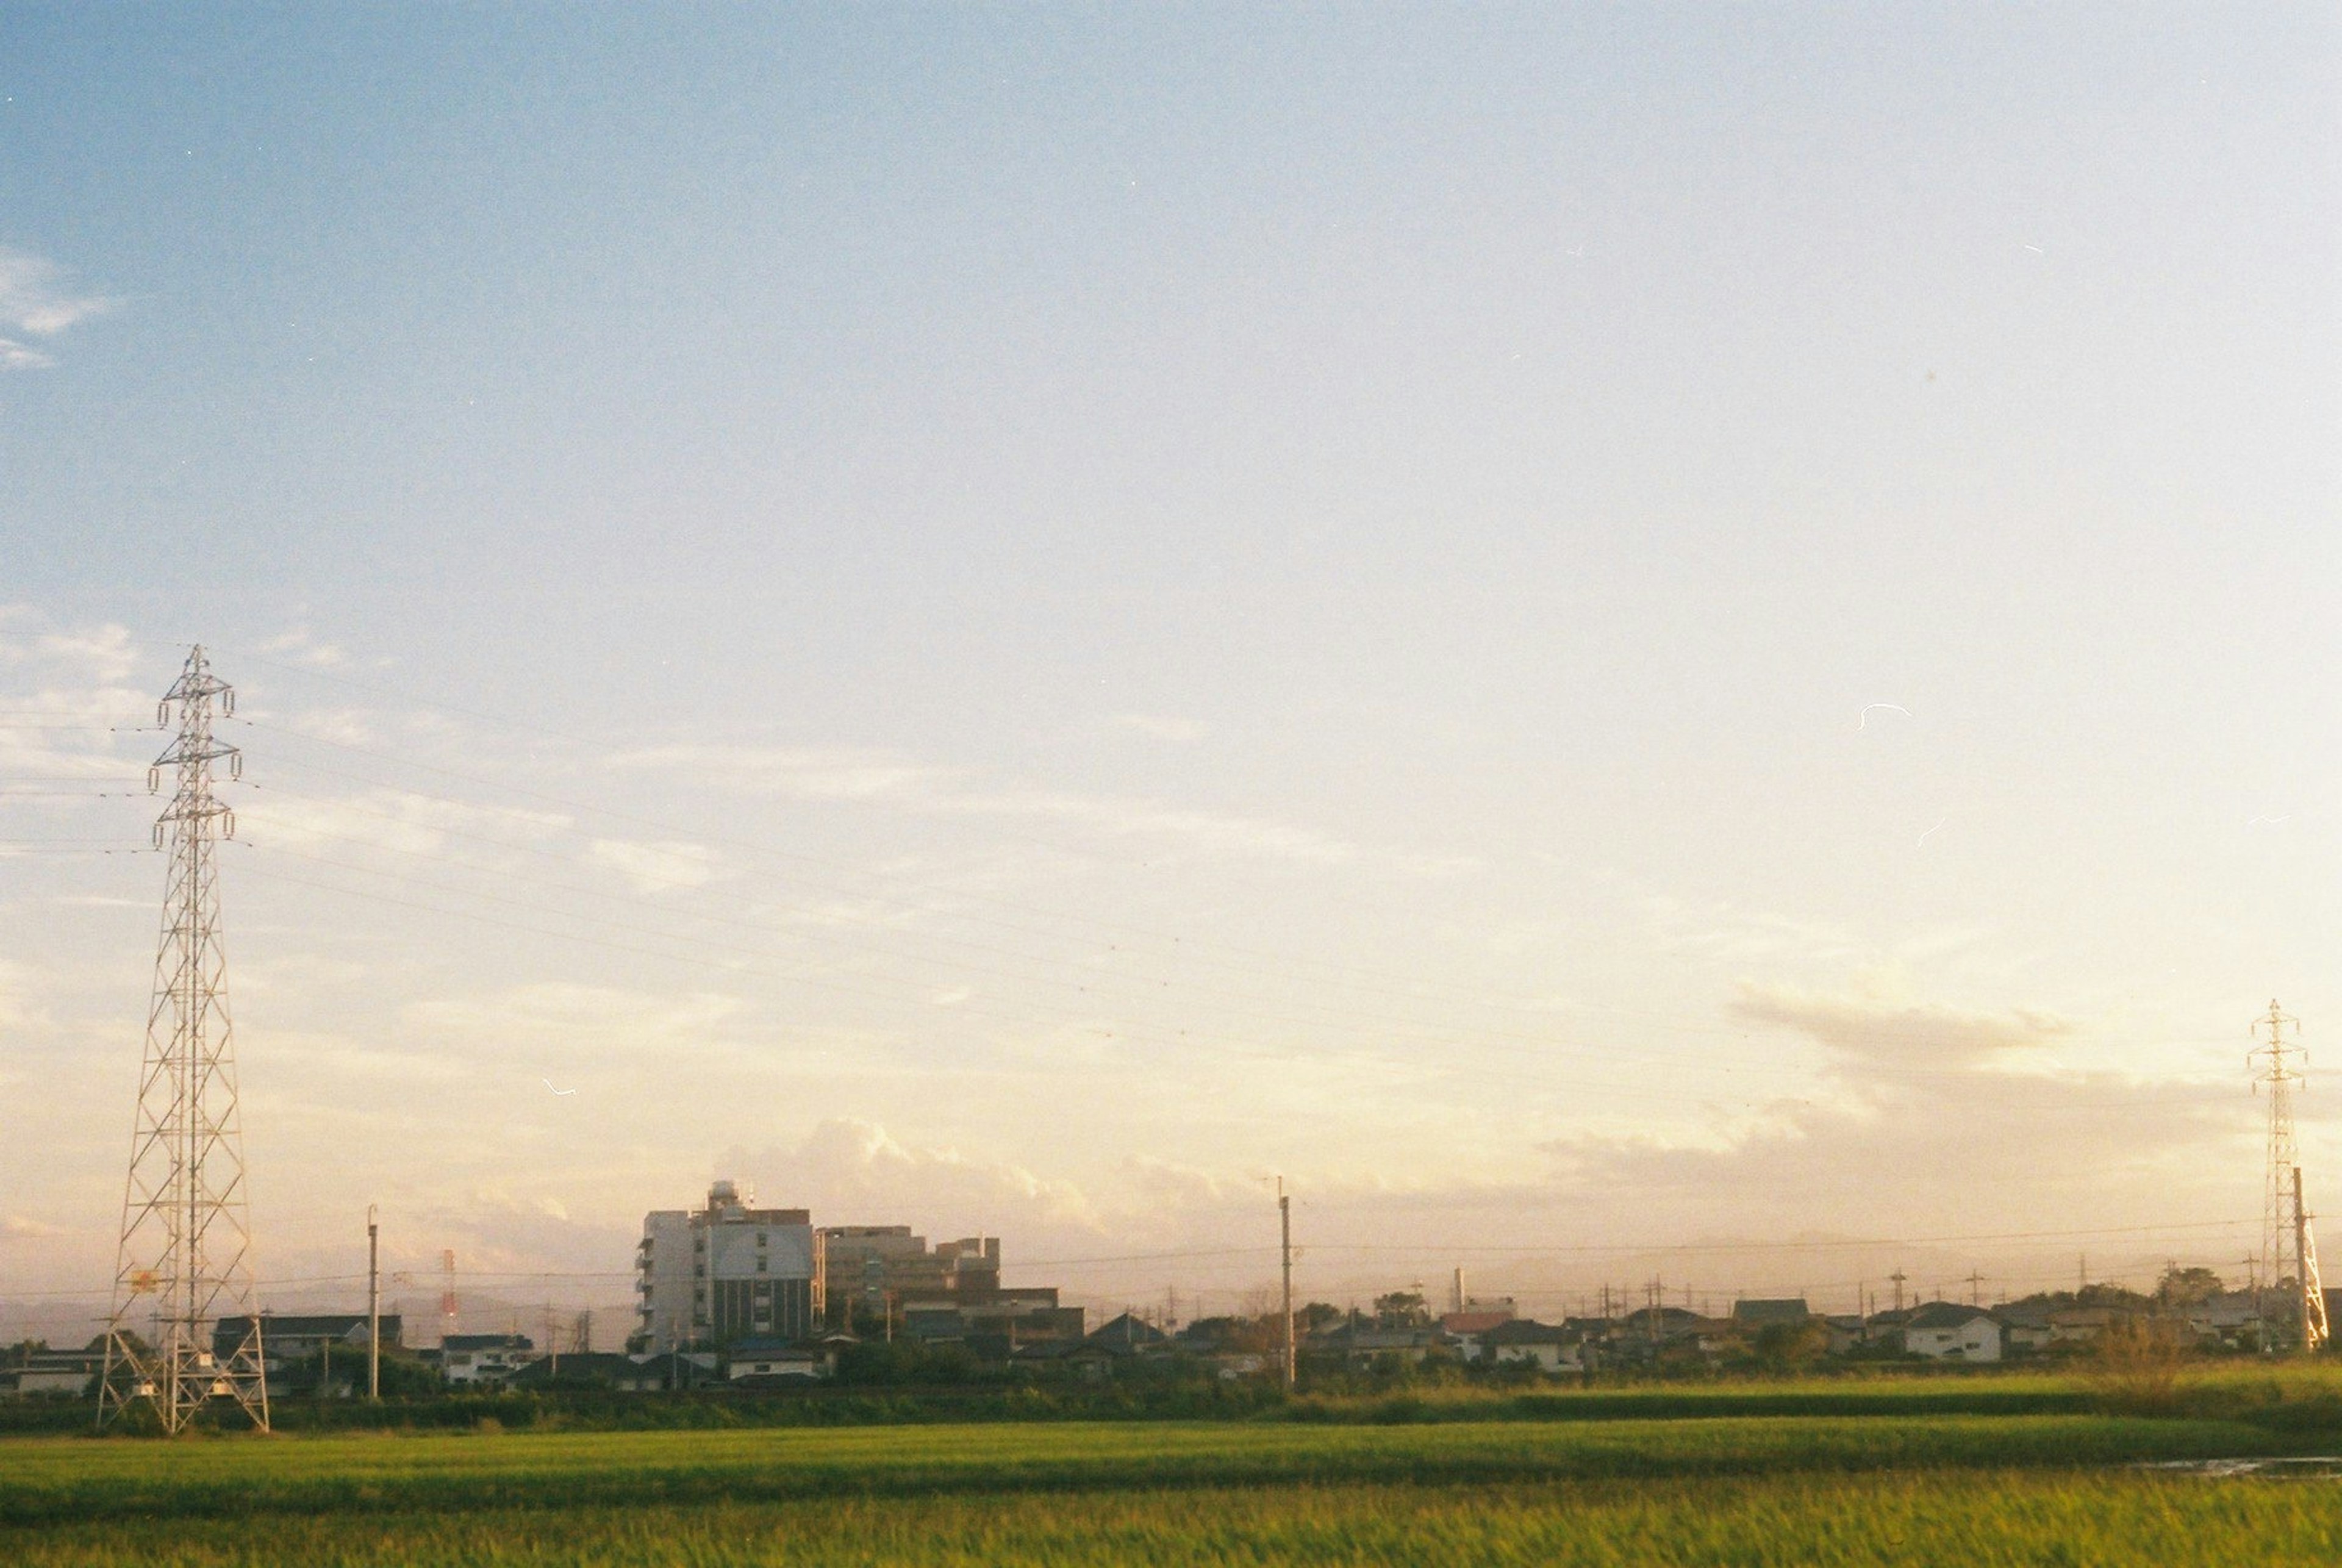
(18, 1225)
(857, 1171)
(300, 646)
(1894, 1033)
(887, 780)
(36, 301)
(388, 819)
(656, 867)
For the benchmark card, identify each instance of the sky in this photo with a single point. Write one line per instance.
(1637, 641)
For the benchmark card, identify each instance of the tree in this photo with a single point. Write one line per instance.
(1401, 1309)
(1792, 1344)
(1318, 1316)
(2185, 1287)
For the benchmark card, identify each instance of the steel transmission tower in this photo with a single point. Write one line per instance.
(2288, 1250)
(187, 1232)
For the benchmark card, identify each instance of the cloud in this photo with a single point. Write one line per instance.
(35, 300)
(67, 693)
(656, 867)
(300, 647)
(1890, 1032)
(18, 1225)
(881, 779)
(104, 653)
(857, 1172)
(1725, 934)
(387, 819)
(1930, 1123)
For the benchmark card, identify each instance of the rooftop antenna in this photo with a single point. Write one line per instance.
(185, 1247)
(2288, 1250)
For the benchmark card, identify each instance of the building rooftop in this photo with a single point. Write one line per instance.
(1757, 1311)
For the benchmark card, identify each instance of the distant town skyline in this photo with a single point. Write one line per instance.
(1580, 633)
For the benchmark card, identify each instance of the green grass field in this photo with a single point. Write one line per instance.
(1601, 1484)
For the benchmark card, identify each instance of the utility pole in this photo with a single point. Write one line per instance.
(374, 1308)
(1976, 1288)
(2287, 1241)
(1285, 1258)
(447, 1298)
(185, 1252)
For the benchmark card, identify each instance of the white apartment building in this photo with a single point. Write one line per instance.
(731, 1271)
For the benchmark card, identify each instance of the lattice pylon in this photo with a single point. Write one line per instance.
(2288, 1268)
(185, 1253)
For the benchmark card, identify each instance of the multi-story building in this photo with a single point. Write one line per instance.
(711, 1276)
(872, 1268)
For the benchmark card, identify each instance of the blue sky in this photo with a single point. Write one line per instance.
(1375, 526)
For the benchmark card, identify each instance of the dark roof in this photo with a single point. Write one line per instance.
(1128, 1332)
(1770, 1309)
(305, 1324)
(487, 1342)
(756, 1345)
(1947, 1314)
(588, 1365)
(1522, 1331)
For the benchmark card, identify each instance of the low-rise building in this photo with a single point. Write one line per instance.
(484, 1360)
(56, 1373)
(297, 1336)
(756, 1359)
(1467, 1330)
(1752, 1315)
(1947, 1331)
(1129, 1335)
(1522, 1340)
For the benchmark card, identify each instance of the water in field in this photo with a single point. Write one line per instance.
(2300, 1468)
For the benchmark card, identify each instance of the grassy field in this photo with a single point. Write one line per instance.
(1965, 1517)
(1604, 1483)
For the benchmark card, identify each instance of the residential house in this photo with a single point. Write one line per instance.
(1947, 1331)
(298, 1336)
(1128, 1335)
(484, 1360)
(2080, 1325)
(63, 1373)
(2025, 1326)
(1553, 1349)
(1467, 1330)
(660, 1374)
(2227, 1318)
(754, 1359)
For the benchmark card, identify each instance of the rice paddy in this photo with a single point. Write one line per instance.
(1579, 1486)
